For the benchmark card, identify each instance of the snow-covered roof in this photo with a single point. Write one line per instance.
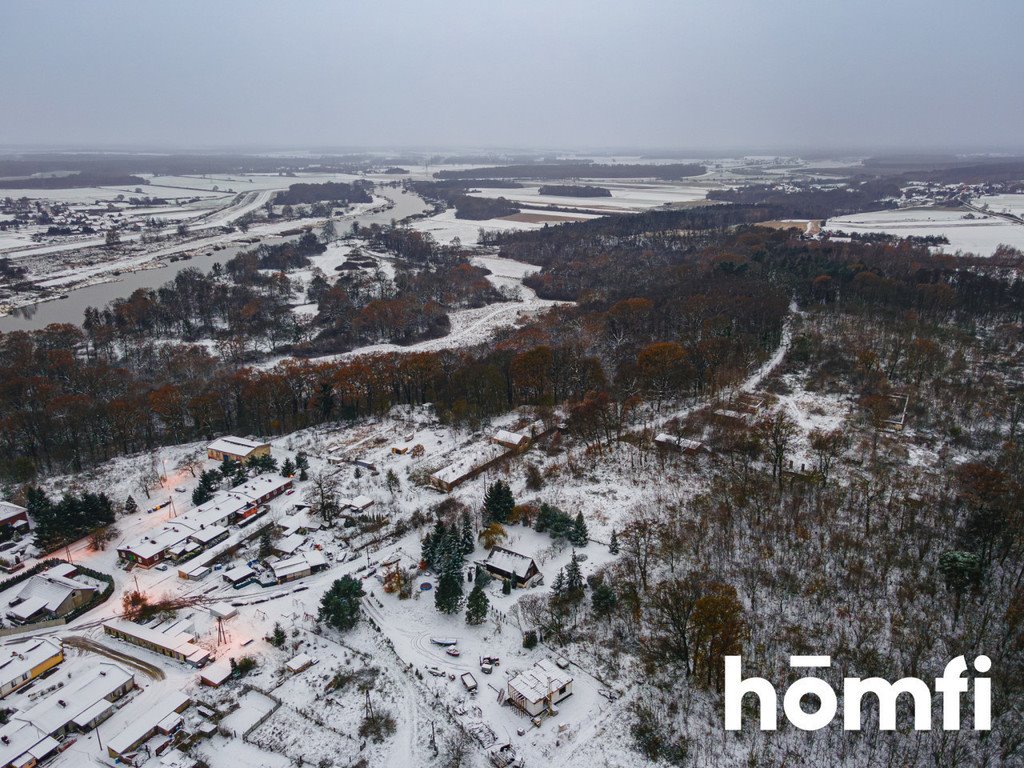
(299, 663)
(73, 702)
(540, 680)
(183, 643)
(505, 437)
(507, 561)
(22, 656)
(46, 591)
(237, 446)
(208, 534)
(297, 564)
(9, 510)
(289, 544)
(469, 463)
(259, 486)
(239, 573)
(24, 740)
(153, 544)
(361, 502)
(141, 727)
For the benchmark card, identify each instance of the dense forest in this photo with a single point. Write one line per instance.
(337, 192)
(73, 180)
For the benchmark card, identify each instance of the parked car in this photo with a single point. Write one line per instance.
(162, 567)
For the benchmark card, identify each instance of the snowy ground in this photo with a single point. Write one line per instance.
(968, 232)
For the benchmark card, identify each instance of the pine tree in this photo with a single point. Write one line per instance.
(573, 578)
(468, 540)
(392, 482)
(579, 536)
(506, 587)
(287, 468)
(558, 585)
(613, 545)
(477, 605)
(339, 607)
(131, 506)
(604, 600)
(448, 595)
(498, 502)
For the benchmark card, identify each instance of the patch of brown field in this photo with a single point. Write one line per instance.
(540, 218)
(809, 226)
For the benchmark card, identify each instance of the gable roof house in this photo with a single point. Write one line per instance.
(236, 448)
(539, 688)
(505, 564)
(50, 594)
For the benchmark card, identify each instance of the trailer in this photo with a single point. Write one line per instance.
(469, 681)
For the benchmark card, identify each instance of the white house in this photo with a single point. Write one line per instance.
(539, 688)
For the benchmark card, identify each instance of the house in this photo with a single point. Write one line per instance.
(215, 675)
(78, 706)
(24, 660)
(236, 448)
(538, 689)
(51, 594)
(506, 564)
(239, 575)
(299, 566)
(288, 545)
(13, 515)
(167, 639)
(162, 717)
(360, 503)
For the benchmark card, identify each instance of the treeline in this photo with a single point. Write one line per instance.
(338, 192)
(67, 520)
(668, 171)
(453, 194)
(74, 180)
(574, 190)
(816, 201)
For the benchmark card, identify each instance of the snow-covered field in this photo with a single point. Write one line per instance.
(625, 197)
(968, 232)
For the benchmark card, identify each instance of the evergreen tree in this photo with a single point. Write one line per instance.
(392, 482)
(448, 595)
(573, 578)
(613, 545)
(339, 606)
(287, 468)
(258, 465)
(506, 587)
(579, 536)
(498, 502)
(477, 605)
(604, 600)
(131, 506)
(558, 585)
(302, 464)
(468, 540)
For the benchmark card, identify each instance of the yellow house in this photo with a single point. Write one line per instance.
(24, 660)
(236, 448)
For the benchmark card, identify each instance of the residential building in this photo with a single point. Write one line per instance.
(27, 659)
(167, 639)
(52, 594)
(519, 569)
(236, 448)
(539, 688)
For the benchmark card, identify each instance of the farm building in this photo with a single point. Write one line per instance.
(54, 593)
(506, 564)
(236, 448)
(166, 639)
(163, 717)
(539, 688)
(24, 660)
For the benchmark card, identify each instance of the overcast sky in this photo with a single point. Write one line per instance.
(721, 74)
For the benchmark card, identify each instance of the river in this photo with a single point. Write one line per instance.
(72, 308)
